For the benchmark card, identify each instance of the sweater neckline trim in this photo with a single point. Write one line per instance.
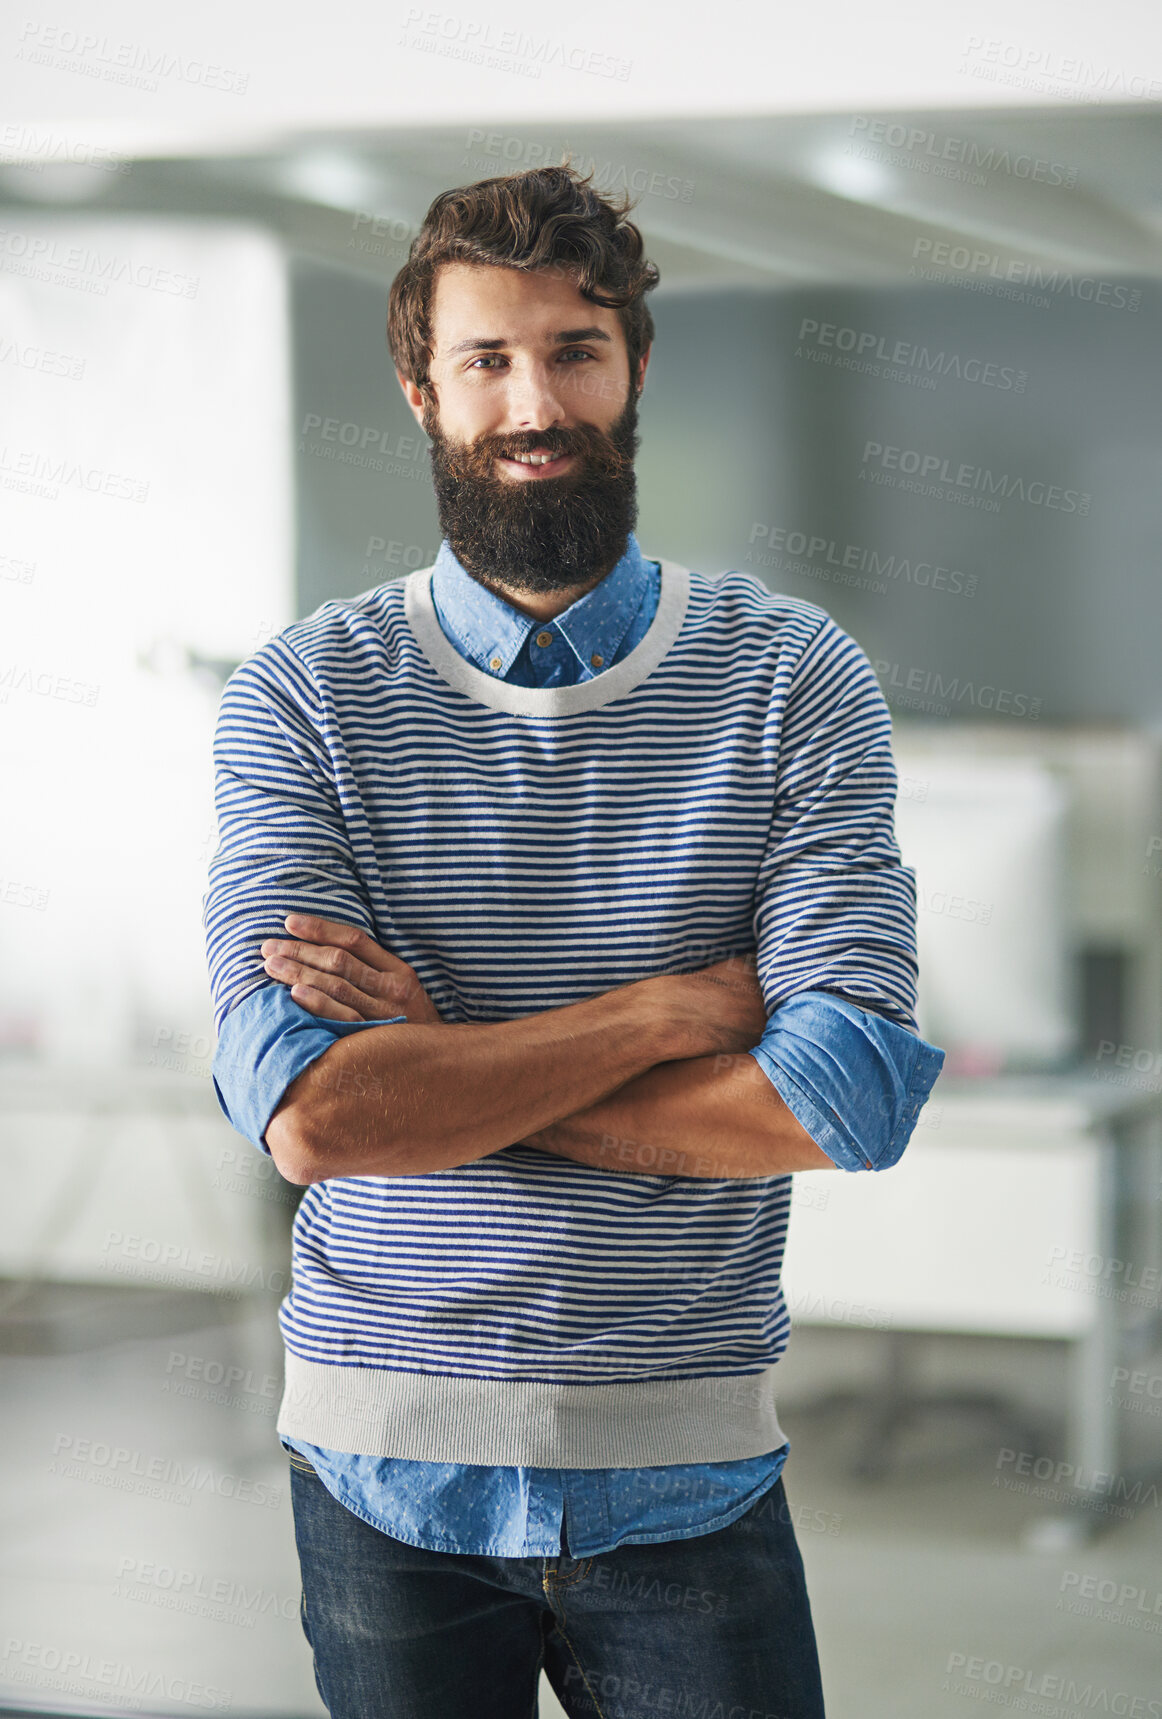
(612, 683)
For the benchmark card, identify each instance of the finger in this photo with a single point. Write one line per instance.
(315, 958)
(320, 1004)
(350, 937)
(366, 1007)
(323, 957)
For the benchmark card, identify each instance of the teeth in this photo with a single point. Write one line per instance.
(535, 459)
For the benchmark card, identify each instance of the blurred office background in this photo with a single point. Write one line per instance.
(906, 368)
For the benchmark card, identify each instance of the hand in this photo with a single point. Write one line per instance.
(721, 1004)
(343, 974)
(723, 1009)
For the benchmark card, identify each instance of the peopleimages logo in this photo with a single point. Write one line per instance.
(964, 1674)
(1074, 1478)
(67, 1671)
(932, 152)
(930, 256)
(138, 65)
(1040, 67)
(609, 176)
(929, 690)
(815, 556)
(128, 1469)
(80, 266)
(43, 359)
(939, 476)
(45, 474)
(873, 354)
(24, 146)
(225, 1598)
(468, 38)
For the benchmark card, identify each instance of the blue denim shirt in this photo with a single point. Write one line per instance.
(854, 1079)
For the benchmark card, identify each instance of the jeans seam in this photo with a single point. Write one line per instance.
(560, 1622)
(314, 1655)
(596, 1704)
(537, 1676)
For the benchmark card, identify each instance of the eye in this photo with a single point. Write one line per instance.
(566, 352)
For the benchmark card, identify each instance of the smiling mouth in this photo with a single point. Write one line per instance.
(526, 469)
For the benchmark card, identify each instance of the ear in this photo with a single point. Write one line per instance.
(413, 397)
(641, 369)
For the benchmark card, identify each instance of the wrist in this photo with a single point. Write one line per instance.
(675, 1030)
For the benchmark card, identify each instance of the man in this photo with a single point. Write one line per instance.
(557, 919)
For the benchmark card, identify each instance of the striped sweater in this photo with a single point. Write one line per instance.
(728, 784)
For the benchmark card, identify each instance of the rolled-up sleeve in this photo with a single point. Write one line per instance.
(855, 1080)
(835, 917)
(265, 1042)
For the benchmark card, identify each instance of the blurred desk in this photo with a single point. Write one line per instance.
(1023, 1206)
(133, 1175)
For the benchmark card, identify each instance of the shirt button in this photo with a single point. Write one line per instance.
(495, 663)
(597, 659)
(544, 638)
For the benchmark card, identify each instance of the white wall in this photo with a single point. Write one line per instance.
(145, 470)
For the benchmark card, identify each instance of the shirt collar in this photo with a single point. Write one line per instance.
(491, 633)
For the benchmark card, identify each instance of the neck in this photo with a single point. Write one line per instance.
(545, 605)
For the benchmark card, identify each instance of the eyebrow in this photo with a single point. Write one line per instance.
(565, 337)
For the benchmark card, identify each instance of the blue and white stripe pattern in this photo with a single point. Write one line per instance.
(727, 784)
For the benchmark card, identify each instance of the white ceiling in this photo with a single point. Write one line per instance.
(230, 78)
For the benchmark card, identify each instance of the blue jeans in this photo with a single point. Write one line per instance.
(719, 1624)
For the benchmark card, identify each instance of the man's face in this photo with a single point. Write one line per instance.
(523, 364)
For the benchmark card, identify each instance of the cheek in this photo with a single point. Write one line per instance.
(469, 412)
(603, 395)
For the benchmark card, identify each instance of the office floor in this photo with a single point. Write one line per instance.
(149, 1564)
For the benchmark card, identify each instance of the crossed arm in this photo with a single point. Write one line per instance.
(716, 1116)
(607, 1081)
(719, 1116)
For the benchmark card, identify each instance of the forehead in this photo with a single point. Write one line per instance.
(521, 307)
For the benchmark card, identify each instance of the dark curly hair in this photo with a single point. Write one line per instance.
(546, 218)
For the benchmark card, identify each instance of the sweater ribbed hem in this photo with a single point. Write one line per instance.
(425, 1417)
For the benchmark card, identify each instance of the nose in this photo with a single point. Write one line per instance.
(534, 398)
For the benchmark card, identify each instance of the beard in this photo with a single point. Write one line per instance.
(538, 536)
